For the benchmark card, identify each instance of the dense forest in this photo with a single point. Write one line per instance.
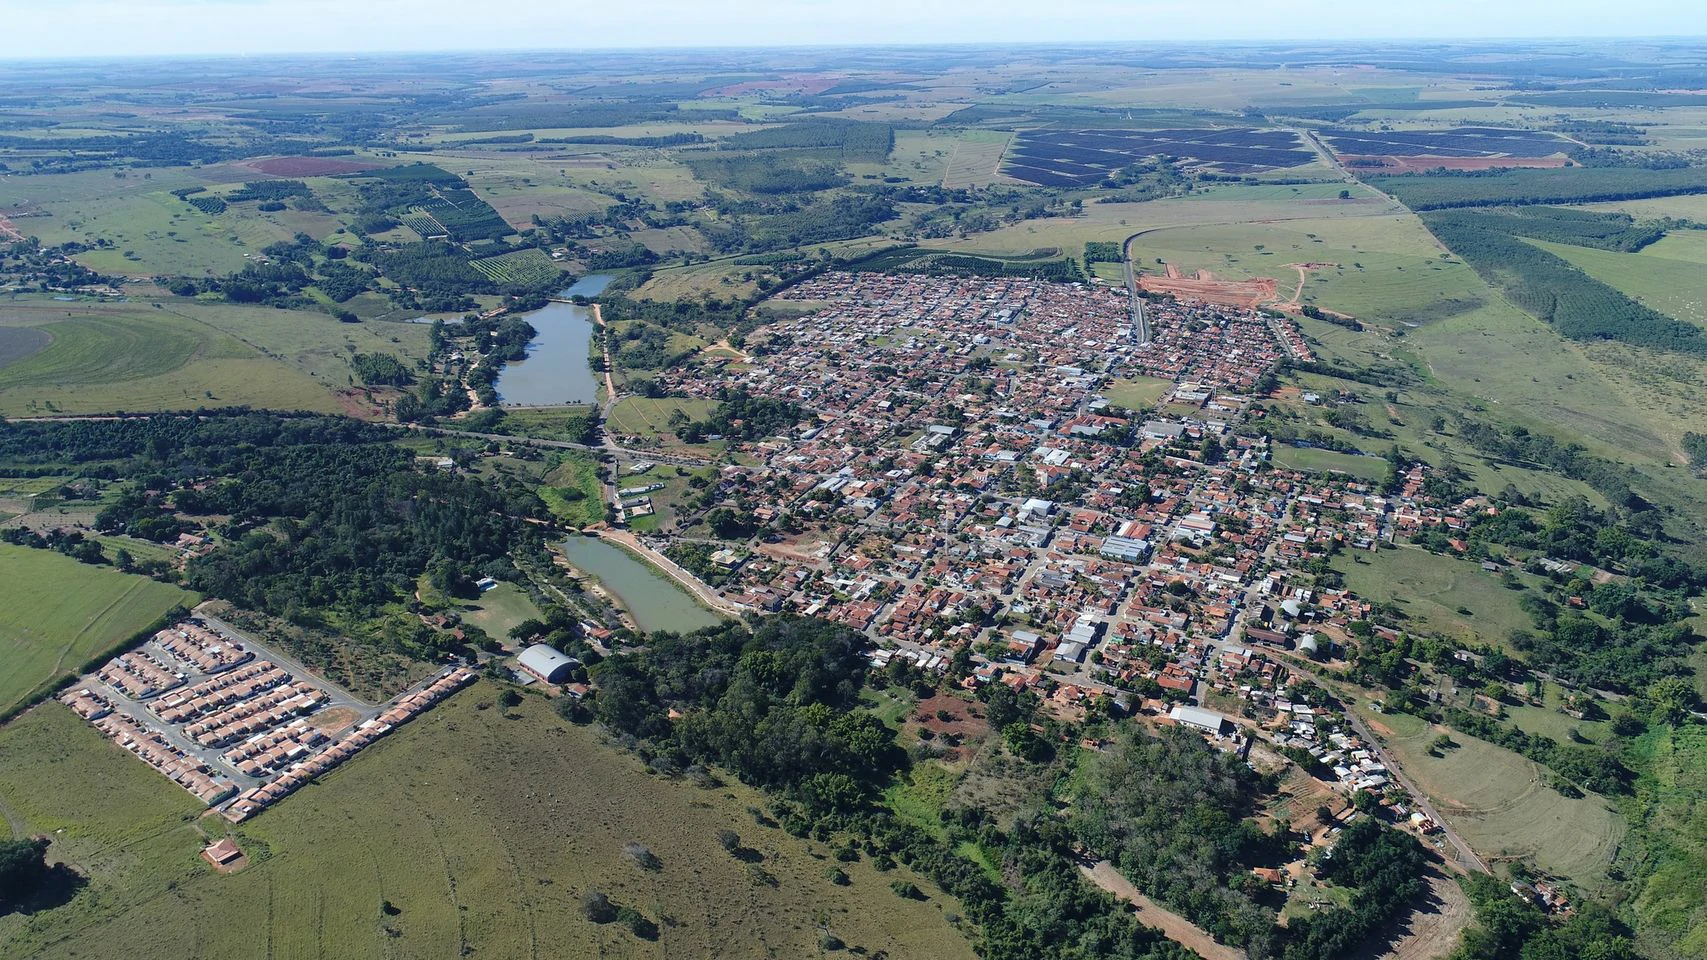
(1577, 305)
(1521, 187)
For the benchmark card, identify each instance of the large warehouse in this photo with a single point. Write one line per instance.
(547, 664)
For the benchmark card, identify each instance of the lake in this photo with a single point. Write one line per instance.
(654, 600)
(556, 369)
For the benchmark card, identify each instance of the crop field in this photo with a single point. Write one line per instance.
(1431, 591)
(56, 613)
(1499, 802)
(473, 831)
(530, 266)
(1084, 158)
(118, 357)
(16, 343)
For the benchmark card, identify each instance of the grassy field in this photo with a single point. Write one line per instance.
(106, 357)
(572, 490)
(1667, 278)
(56, 613)
(499, 609)
(1432, 590)
(481, 832)
(1329, 461)
(1137, 393)
(645, 417)
(1498, 801)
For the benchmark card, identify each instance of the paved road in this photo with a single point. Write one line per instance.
(652, 456)
(1140, 319)
(1466, 857)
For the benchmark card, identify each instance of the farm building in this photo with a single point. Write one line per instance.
(1206, 720)
(546, 663)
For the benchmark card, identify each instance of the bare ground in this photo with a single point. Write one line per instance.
(1151, 914)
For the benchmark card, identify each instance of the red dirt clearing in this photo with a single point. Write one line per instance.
(1204, 287)
(1366, 162)
(310, 166)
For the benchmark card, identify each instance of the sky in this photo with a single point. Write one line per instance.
(61, 28)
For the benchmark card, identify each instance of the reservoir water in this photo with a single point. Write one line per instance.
(556, 369)
(654, 600)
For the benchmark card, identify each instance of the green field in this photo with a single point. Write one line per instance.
(1137, 393)
(499, 609)
(650, 418)
(482, 833)
(528, 266)
(572, 490)
(1499, 802)
(56, 613)
(1429, 590)
(1329, 461)
(107, 357)
(1667, 278)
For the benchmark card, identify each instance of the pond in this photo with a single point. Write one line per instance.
(556, 370)
(654, 600)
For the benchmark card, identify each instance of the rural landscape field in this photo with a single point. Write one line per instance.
(954, 499)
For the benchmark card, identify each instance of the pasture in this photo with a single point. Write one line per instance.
(472, 831)
(111, 356)
(56, 613)
(1439, 595)
(1499, 801)
(1666, 277)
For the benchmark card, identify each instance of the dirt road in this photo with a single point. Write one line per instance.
(1151, 914)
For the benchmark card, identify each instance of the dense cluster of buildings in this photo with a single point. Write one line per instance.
(970, 486)
(221, 720)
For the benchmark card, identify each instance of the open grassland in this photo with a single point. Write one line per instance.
(1499, 802)
(1329, 461)
(56, 613)
(975, 158)
(1431, 590)
(482, 833)
(107, 357)
(313, 343)
(151, 231)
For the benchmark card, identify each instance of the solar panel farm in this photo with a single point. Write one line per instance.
(1085, 158)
